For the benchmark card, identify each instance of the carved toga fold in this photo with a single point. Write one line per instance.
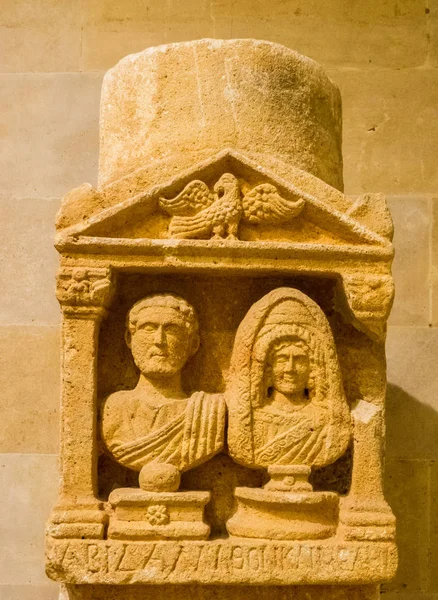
(187, 439)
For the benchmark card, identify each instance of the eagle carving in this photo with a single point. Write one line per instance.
(198, 213)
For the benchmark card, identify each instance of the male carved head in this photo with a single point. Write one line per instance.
(162, 333)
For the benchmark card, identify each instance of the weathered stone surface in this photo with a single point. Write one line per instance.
(433, 33)
(406, 486)
(205, 592)
(215, 269)
(362, 34)
(411, 267)
(30, 592)
(231, 96)
(38, 37)
(25, 254)
(51, 126)
(379, 35)
(170, 322)
(412, 419)
(409, 595)
(30, 482)
(433, 528)
(348, 35)
(124, 30)
(434, 261)
(219, 562)
(390, 143)
(285, 326)
(29, 370)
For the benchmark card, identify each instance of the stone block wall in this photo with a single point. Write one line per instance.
(384, 56)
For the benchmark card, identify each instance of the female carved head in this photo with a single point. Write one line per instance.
(284, 362)
(288, 368)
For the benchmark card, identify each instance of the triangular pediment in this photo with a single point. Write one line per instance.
(301, 217)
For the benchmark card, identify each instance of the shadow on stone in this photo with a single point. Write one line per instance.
(411, 426)
(411, 434)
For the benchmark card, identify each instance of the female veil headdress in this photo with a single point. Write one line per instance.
(284, 314)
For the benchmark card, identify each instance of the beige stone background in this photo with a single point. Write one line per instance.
(384, 56)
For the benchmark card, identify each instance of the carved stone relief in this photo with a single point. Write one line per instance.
(156, 428)
(224, 318)
(287, 413)
(198, 213)
(286, 400)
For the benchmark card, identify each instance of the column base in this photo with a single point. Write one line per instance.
(78, 522)
(366, 520)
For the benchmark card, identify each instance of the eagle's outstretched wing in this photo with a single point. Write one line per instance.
(195, 197)
(264, 205)
(193, 227)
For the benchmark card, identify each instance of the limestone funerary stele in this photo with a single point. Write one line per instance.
(223, 340)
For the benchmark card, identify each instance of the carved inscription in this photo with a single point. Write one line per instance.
(163, 562)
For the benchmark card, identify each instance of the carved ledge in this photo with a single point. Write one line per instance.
(250, 562)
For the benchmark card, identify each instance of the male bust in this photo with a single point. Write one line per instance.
(156, 425)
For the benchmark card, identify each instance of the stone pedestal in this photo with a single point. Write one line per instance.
(286, 509)
(284, 515)
(140, 515)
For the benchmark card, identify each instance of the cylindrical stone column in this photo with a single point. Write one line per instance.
(169, 107)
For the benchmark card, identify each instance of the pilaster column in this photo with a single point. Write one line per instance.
(84, 295)
(365, 515)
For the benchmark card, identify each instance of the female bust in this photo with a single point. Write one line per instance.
(286, 400)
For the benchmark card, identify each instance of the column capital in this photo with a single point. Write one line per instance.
(84, 291)
(366, 301)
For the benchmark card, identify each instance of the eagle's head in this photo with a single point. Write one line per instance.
(227, 183)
